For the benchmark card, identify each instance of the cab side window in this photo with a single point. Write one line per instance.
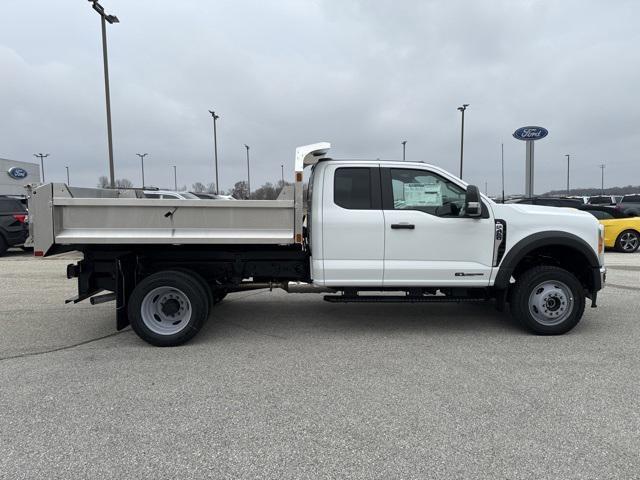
(427, 192)
(352, 188)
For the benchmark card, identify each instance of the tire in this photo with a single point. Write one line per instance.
(628, 241)
(548, 300)
(3, 246)
(206, 289)
(168, 308)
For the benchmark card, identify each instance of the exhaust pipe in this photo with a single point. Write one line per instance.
(109, 297)
(289, 287)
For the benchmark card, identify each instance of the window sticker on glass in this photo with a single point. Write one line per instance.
(423, 194)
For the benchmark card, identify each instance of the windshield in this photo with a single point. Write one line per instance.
(190, 195)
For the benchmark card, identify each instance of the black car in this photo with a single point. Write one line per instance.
(14, 226)
(602, 212)
(552, 201)
(630, 204)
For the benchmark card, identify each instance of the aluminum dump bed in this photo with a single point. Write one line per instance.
(62, 215)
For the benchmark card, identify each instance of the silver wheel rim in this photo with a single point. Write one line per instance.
(551, 302)
(629, 241)
(165, 310)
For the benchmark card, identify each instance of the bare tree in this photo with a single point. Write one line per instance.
(124, 183)
(265, 192)
(198, 187)
(239, 190)
(103, 182)
(211, 188)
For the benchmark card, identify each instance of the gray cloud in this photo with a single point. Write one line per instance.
(363, 75)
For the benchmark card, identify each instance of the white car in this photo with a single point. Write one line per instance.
(169, 194)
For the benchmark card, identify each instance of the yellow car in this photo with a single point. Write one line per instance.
(620, 232)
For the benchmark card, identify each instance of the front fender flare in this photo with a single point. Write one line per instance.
(544, 239)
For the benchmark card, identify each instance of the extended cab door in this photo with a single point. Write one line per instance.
(428, 239)
(352, 225)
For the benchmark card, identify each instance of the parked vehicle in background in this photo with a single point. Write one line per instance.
(211, 196)
(630, 204)
(605, 211)
(551, 201)
(620, 231)
(603, 200)
(169, 194)
(14, 226)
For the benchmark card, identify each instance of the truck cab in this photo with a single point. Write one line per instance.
(404, 224)
(396, 224)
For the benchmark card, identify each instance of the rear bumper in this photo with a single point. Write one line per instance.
(16, 236)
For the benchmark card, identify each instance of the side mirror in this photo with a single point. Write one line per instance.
(472, 204)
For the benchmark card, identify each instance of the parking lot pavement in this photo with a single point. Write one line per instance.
(289, 386)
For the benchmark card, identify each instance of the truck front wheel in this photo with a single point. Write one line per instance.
(548, 300)
(168, 308)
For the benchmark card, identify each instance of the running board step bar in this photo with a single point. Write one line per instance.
(398, 299)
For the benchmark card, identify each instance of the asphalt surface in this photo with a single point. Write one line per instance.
(288, 386)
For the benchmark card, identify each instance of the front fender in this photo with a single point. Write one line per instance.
(547, 239)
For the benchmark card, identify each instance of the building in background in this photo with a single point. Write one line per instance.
(15, 175)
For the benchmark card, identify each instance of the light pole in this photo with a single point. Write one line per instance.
(175, 178)
(404, 150)
(486, 188)
(502, 161)
(41, 156)
(215, 146)
(142, 155)
(568, 160)
(282, 174)
(248, 173)
(601, 166)
(68, 181)
(462, 109)
(104, 19)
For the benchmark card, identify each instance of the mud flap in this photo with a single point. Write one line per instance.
(125, 283)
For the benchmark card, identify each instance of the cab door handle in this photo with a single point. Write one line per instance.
(403, 226)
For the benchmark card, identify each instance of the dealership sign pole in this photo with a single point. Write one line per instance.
(529, 135)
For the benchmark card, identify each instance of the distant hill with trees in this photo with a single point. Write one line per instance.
(595, 191)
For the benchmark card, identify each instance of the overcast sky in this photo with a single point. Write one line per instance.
(361, 74)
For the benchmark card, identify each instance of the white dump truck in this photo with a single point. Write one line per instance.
(369, 231)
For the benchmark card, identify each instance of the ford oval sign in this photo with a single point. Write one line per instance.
(530, 133)
(17, 173)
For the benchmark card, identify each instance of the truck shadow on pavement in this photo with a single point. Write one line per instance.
(274, 315)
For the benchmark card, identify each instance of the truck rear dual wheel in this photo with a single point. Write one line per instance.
(168, 308)
(214, 295)
(203, 283)
(548, 300)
